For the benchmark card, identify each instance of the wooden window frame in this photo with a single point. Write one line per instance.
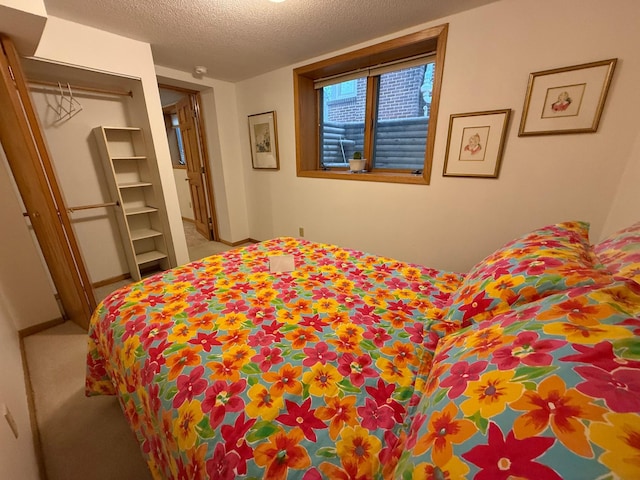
(307, 121)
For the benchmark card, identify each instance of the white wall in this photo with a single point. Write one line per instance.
(626, 206)
(184, 195)
(34, 7)
(455, 222)
(17, 455)
(76, 44)
(25, 288)
(23, 21)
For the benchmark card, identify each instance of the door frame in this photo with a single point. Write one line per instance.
(30, 162)
(195, 170)
(196, 101)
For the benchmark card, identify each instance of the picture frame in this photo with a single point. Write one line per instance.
(566, 100)
(475, 144)
(263, 136)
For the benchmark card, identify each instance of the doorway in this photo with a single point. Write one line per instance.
(187, 144)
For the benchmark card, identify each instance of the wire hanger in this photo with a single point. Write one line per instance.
(68, 105)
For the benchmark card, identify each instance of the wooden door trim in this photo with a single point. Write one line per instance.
(30, 163)
(204, 153)
(205, 161)
(21, 84)
(193, 160)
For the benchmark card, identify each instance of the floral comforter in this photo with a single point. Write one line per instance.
(226, 370)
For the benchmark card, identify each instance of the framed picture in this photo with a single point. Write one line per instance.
(475, 144)
(566, 100)
(263, 136)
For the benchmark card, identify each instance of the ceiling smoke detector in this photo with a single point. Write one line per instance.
(199, 71)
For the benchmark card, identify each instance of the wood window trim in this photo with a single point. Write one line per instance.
(431, 40)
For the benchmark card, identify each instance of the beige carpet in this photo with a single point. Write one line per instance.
(82, 438)
(198, 246)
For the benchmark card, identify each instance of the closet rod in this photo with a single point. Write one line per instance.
(95, 205)
(86, 89)
(85, 207)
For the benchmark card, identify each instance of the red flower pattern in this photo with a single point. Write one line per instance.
(460, 374)
(506, 458)
(356, 368)
(527, 349)
(303, 417)
(357, 316)
(620, 388)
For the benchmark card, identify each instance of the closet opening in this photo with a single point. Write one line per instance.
(71, 103)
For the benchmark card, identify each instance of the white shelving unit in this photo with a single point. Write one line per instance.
(131, 185)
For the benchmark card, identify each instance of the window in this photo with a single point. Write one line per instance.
(381, 100)
(175, 123)
(341, 122)
(342, 91)
(401, 102)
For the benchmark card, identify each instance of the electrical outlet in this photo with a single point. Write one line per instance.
(10, 420)
(301, 231)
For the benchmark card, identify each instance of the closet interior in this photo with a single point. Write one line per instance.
(71, 104)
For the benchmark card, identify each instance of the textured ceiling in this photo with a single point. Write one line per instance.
(239, 39)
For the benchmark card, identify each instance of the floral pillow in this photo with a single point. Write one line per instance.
(550, 390)
(546, 261)
(620, 252)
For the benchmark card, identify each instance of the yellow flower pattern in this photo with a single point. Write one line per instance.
(361, 366)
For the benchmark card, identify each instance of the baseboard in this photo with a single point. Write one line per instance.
(235, 244)
(190, 220)
(32, 330)
(109, 281)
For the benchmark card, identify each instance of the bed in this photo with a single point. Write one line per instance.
(348, 365)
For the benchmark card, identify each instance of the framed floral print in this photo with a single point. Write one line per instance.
(263, 136)
(475, 144)
(566, 100)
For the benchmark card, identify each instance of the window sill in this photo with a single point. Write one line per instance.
(388, 177)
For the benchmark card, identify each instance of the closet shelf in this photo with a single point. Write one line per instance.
(123, 129)
(132, 180)
(129, 157)
(139, 210)
(142, 233)
(151, 256)
(134, 184)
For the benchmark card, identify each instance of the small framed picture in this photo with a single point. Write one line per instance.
(566, 100)
(263, 135)
(475, 144)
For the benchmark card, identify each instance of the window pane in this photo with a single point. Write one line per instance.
(342, 124)
(183, 160)
(402, 119)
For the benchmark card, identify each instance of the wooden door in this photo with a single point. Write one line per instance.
(195, 171)
(30, 163)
